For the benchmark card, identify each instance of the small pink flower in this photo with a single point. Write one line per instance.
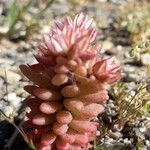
(107, 70)
(71, 38)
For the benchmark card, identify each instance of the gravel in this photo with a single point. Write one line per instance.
(21, 52)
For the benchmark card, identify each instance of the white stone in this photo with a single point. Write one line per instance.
(143, 129)
(8, 110)
(12, 77)
(14, 99)
(147, 143)
(145, 59)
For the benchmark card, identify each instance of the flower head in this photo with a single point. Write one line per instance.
(71, 38)
(107, 70)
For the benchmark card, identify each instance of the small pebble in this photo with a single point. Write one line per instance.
(147, 143)
(14, 100)
(142, 129)
(127, 141)
(147, 133)
(109, 141)
(8, 110)
(133, 77)
(145, 59)
(115, 135)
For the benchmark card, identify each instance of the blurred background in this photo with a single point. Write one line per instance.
(123, 30)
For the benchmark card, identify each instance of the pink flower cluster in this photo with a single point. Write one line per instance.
(70, 83)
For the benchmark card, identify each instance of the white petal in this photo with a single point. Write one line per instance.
(57, 46)
(72, 38)
(60, 39)
(75, 20)
(93, 35)
(59, 25)
(84, 21)
(69, 21)
(48, 43)
(80, 19)
(64, 31)
(88, 24)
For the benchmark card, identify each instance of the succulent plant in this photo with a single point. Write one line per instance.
(70, 85)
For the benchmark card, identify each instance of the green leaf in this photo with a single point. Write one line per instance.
(13, 14)
(30, 143)
(146, 110)
(135, 52)
(148, 71)
(139, 144)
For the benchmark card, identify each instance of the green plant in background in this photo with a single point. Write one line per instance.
(131, 104)
(19, 18)
(134, 17)
(140, 48)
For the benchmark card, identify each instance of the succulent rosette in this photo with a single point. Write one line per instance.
(70, 85)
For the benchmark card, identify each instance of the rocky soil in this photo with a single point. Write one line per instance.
(18, 51)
